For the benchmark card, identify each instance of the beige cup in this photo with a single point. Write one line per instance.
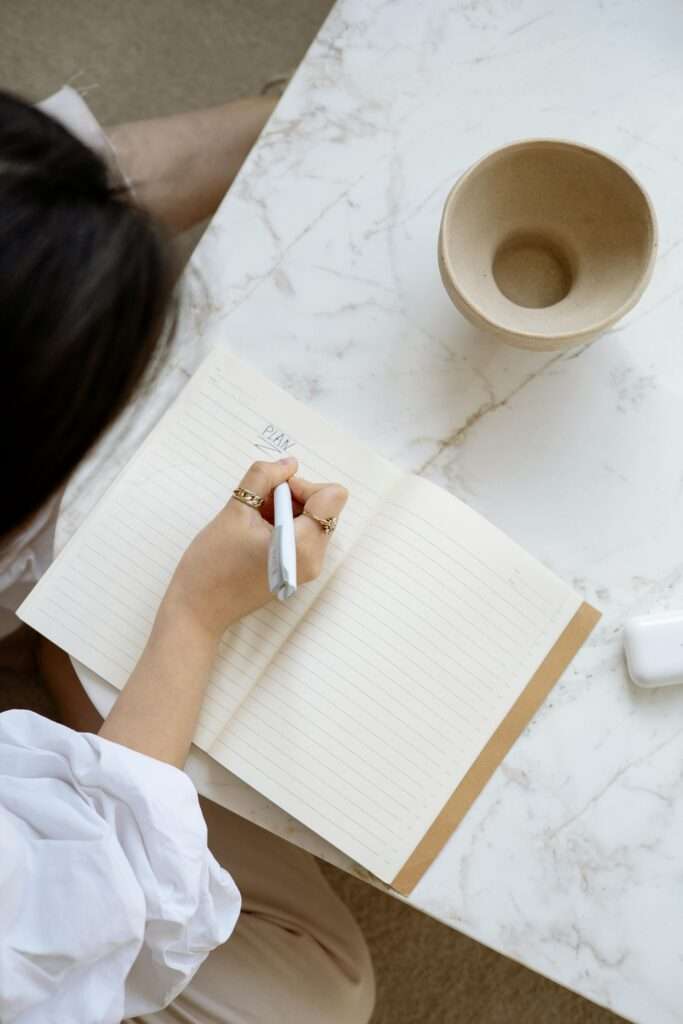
(546, 243)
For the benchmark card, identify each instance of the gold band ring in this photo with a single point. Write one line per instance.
(247, 497)
(328, 525)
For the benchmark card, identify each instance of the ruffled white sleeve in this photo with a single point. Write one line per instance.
(109, 897)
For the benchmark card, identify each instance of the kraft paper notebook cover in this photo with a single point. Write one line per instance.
(375, 704)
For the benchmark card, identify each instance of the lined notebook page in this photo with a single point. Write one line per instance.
(358, 705)
(387, 690)
(99, 599)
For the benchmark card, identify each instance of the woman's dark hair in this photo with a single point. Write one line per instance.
(86, 280)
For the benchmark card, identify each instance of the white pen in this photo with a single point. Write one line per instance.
(282, 552)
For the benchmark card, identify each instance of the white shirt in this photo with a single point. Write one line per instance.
(109, 897)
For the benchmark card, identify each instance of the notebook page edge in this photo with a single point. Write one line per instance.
(557, 660)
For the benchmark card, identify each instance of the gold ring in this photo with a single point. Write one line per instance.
(328, 525)
(247, 497)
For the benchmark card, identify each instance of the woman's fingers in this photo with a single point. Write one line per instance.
(325, 501)
(262, 478)
(302, 489)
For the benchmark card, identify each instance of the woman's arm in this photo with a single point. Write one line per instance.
(221, 578)
(157, 710)
(181, 166)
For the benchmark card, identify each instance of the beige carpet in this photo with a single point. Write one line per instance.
(152, 57)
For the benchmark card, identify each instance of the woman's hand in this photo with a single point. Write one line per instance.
(221, 577)
(223, 574)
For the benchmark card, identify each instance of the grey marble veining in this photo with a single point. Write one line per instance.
(320, 269)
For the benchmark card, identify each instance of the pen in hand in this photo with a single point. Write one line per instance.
(282, 551)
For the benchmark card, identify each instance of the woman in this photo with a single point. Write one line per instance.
(110, 901)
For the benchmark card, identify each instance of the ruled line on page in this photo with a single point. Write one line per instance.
(396, 683)
(400, 577)
(322, 784)
(435, 549)
(276, 784)
(300, 659)
(428, 567)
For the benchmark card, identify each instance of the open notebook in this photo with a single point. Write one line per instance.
(375, 704)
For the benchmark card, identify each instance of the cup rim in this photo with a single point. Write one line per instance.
(591, 329)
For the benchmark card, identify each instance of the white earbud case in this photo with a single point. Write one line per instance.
(654, 649)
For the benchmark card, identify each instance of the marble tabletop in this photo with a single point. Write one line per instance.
(320, 269)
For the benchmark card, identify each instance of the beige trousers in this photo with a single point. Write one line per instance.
(296, 956)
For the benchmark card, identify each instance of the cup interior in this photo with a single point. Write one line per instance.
(548, 240)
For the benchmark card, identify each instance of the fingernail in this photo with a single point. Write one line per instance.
(289, 461)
